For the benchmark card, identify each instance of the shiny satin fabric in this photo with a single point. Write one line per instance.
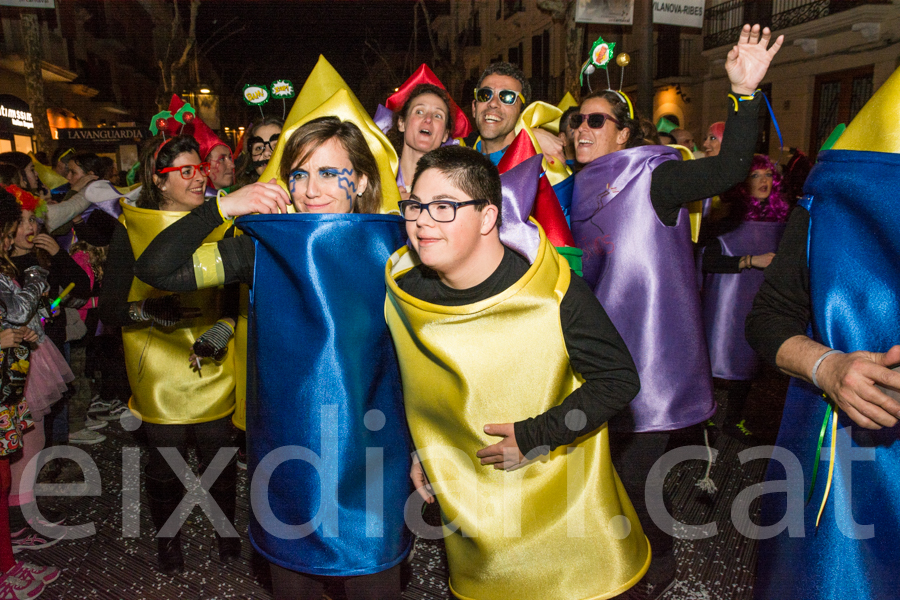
(728, 298)
(165, 389)
(323, 383)
(644, 275)
(561, 528)
(854, 246)
(239, 418)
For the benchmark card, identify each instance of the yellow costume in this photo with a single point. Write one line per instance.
(165, 389)
(561, 528)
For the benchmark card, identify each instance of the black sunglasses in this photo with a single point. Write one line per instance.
(594, 120)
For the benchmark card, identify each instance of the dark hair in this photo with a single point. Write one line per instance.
(18, 159)
(10, 213)
(564, 119)
(395, 136)
(665, 138)
(649, 132)
(310, 136)
(509, 70)
(620, 112)
(11, 175)
(88, 162)
(151, 196)
(468, 170)
(244, 170)
(58, 154)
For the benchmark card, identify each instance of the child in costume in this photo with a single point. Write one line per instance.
(493, 345)
(315, 277)
(18, 307)
(836, 270)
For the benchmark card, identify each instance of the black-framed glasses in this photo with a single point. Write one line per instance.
(442, 211)
(187, 171)
(594, 120)
(506, 96)
(258, 145)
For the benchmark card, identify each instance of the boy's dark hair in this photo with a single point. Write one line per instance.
(469, 171)
(509, 70)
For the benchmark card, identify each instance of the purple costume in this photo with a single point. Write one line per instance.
(728, 298)
(643, 273)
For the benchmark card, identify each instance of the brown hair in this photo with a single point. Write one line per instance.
(96, 257)
(151, 162)
(310, 137)
(10, 213)
(620, 112)
(395, 136)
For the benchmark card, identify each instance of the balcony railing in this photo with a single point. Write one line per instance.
(723, 21)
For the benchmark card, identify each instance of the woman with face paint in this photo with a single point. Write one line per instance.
(743, 244)
(628, 216)
(158, 332)
(335, 186)
(259, 144)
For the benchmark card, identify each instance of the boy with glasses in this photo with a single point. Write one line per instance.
(510, 362)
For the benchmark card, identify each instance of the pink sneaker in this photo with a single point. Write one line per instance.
(45, 575)
(17, 588)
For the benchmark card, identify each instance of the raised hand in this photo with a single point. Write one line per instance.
(749, 60)
(265, 198)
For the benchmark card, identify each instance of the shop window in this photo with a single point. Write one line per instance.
(5, 146)
(838, 97)
(23, 143)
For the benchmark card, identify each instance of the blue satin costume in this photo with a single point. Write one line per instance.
(854, 264)
(324, 387)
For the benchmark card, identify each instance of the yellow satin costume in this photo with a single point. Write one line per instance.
(165, 389)
(561, 528)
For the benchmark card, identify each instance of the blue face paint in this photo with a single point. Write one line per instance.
(344, 182)
(295, 176)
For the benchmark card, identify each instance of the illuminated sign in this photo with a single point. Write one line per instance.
(18, 118)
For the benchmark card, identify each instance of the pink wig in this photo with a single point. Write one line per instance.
(775, 208)
(717, 129)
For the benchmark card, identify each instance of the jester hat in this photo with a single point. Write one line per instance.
(326, 94)
(395, 102)
(194, 127)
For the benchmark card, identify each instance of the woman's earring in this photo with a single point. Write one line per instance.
(359, 194)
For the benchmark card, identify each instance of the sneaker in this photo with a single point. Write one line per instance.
(86, 436)
(31, 540)
(740, 432)
(49, 518)
(114, 413)
(94, 424)
(28, 571)
(101, 406)
(17, 588)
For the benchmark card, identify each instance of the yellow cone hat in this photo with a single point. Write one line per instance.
(876, 128)
(567, 102)
(326, 94)
(48, 176)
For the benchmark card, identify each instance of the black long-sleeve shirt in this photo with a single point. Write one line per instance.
(63, 271)
(676, 182)
(596, 351)
(781, 309)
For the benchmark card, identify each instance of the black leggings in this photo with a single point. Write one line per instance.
(207, 438)
(291, 585)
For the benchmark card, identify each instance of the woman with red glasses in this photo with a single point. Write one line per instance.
(628, 216)
(174, 402)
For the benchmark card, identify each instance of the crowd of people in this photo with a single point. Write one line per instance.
(509, 318)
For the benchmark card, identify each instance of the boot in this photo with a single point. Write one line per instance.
(164, 499)
(223, 492)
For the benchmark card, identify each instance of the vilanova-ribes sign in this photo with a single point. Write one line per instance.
(19, 118)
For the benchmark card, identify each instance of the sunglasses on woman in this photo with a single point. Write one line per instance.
(187, 171)
(506, 96)
(594, 120)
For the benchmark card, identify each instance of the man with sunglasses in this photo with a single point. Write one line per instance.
(489, 344)
(502, 94)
